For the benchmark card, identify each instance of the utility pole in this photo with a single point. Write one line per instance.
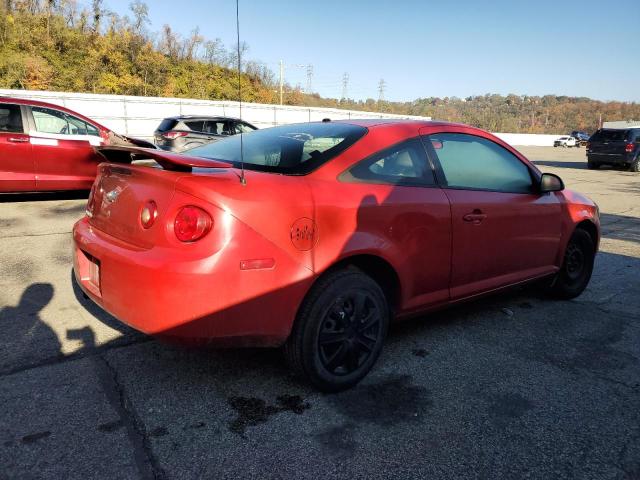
(309, 79)
(381, 87)
(281, 80)
(345, 85)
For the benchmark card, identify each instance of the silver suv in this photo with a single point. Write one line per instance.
(178, 134)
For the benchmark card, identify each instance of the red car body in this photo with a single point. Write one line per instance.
(46, 147)
(273, 236)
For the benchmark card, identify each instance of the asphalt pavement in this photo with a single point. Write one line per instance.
(511, 386)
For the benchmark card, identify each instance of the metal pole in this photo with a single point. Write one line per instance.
(281, 80)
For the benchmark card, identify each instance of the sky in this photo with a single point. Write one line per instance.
(427, 48)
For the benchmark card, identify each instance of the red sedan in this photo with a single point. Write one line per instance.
(315, 236)
(45, 147)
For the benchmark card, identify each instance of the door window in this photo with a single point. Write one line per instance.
(471, 162)
(48, 120)
(10, 118)
(402, 164)
(213, 127)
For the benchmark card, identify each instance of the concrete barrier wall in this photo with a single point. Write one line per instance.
(140, 116)
(532, 139)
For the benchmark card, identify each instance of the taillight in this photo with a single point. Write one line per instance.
(172, 134)
(148, 214)
(628, 148)
(192, 223)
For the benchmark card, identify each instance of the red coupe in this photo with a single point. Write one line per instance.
(315, 236)
(45, 147)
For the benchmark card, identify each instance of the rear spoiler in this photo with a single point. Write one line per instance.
(167, 160)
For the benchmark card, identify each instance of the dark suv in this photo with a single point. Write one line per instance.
(616, 147)
(178, 134)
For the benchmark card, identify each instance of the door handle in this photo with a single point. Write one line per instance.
(476, 217)
(18, 139)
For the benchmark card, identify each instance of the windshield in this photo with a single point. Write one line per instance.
(291, 149)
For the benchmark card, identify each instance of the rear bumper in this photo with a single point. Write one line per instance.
(610, 158)
(208, 300)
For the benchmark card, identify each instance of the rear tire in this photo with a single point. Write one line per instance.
(576, 269)
(635, 165)
(339, 330)
(592, 165)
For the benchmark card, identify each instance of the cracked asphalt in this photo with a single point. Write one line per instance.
(512, 386)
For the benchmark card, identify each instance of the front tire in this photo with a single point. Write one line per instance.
(339, 331)
(577, 267)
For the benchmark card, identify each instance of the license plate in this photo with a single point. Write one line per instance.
(94, 273)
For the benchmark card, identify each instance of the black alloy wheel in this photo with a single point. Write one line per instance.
(349, 332)
(339, 330)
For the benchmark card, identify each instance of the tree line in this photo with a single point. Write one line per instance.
(61, 45)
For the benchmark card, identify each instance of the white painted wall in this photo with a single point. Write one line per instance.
(532, 139)
(139, 116)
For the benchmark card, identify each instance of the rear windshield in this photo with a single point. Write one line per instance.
(290, 149)
(167, 124)
(609, 136)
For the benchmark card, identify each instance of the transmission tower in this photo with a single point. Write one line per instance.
(345, 85)
(381, 87)
(309, 79)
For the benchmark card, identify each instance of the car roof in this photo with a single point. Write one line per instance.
(37, 103)
(204, 117)
(378, 122)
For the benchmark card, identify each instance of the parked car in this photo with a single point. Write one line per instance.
(581, 137)
(45, 147)
(616, 147)
(315, 236)
(565, 141)
(178, 134)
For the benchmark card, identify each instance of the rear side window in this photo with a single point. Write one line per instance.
(167, 124)
(610, 136)
(48, 120)
(475, 163)
(402, 164)
(10, 118)
(195, 125)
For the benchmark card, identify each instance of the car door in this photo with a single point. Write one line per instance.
(63, 150)
(17, 171)
(503, 230)
(399, 204)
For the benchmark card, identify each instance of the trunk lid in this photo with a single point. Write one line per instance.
(118, 196)
(121, 190)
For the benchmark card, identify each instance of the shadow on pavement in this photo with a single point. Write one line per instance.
(581, 165)
(25, 339)
(43, 196)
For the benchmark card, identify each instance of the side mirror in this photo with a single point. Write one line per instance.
(550, 183)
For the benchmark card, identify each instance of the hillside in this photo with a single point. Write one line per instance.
(56, 45)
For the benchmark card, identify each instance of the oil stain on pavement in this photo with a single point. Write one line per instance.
(253, 411)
